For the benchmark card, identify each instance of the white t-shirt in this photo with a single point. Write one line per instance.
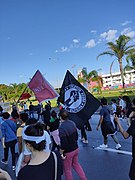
(25, 106)
(114, 107)
(122, 103)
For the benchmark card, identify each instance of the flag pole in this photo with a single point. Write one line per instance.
(22, 93)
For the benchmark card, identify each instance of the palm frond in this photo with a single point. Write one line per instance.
(111, 67)
(128, 68)
(84, 73)
(81, 80)
(105, 53)
(93, 73)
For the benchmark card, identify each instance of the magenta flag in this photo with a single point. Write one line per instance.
(41, 87)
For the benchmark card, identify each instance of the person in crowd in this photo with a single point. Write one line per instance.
(53, 127)
(83, 135)
(24, 118)
(9, 138)
(14, 107)
(133, 111)
(25, 155)
(122, 105)
(21, 105)
(25, 107)
(106, 125)
(49, 104)
(69, 147)
(114, 111)
(31, 110)
(126, 134)
(47, 135)
(128, 108)
(46, 115)
(16, 118)
(1, 121)
(41, 161)
(1, 110)
(58, 103)
(39, 111)
(88, 126)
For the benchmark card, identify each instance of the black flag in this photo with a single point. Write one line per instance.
(77, 100)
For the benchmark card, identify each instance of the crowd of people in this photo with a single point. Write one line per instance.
(49, 140)
(42, 143)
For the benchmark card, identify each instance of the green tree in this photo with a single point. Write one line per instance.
(130, 62)
(91, 76)
(119, 49)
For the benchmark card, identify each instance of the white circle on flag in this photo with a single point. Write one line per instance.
(75, 98)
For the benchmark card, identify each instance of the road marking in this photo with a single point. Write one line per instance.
(115, 150)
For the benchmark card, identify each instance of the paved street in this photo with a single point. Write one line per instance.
(99, 164)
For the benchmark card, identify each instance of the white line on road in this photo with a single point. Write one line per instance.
(114, 150)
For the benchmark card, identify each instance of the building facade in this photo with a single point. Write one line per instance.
(114, 80)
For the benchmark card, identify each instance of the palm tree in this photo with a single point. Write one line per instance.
(130, 62)
(119, 50)
(91, 76)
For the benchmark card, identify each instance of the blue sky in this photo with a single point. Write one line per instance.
(56, 35)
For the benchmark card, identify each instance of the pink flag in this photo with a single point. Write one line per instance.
(41, 87)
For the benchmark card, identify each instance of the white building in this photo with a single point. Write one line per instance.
(115, 79)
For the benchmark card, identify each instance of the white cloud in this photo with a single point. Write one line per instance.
(126, 22)
(109, 35)
(91, 43)
(131, 34)
(93, 31)
(63, 49)
(103, 35)
(76, 41)
(128, 32)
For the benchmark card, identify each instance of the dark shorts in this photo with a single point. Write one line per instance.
(107, 128)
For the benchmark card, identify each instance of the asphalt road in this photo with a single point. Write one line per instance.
(98, 164)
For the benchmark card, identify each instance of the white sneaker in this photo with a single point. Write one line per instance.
(103, 146)
(118, 146)
(82, 139)
(85, 141)
(13, 167)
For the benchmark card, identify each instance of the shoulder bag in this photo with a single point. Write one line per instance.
(55, 160)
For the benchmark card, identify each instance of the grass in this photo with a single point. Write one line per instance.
(109, 94)
(114, 94)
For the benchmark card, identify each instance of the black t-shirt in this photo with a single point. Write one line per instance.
(131, 132)
(31, 107)
(47, 116)
(68, 136)
(54, 125)
(44, 171)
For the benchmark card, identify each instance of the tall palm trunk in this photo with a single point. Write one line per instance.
(122, 74)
